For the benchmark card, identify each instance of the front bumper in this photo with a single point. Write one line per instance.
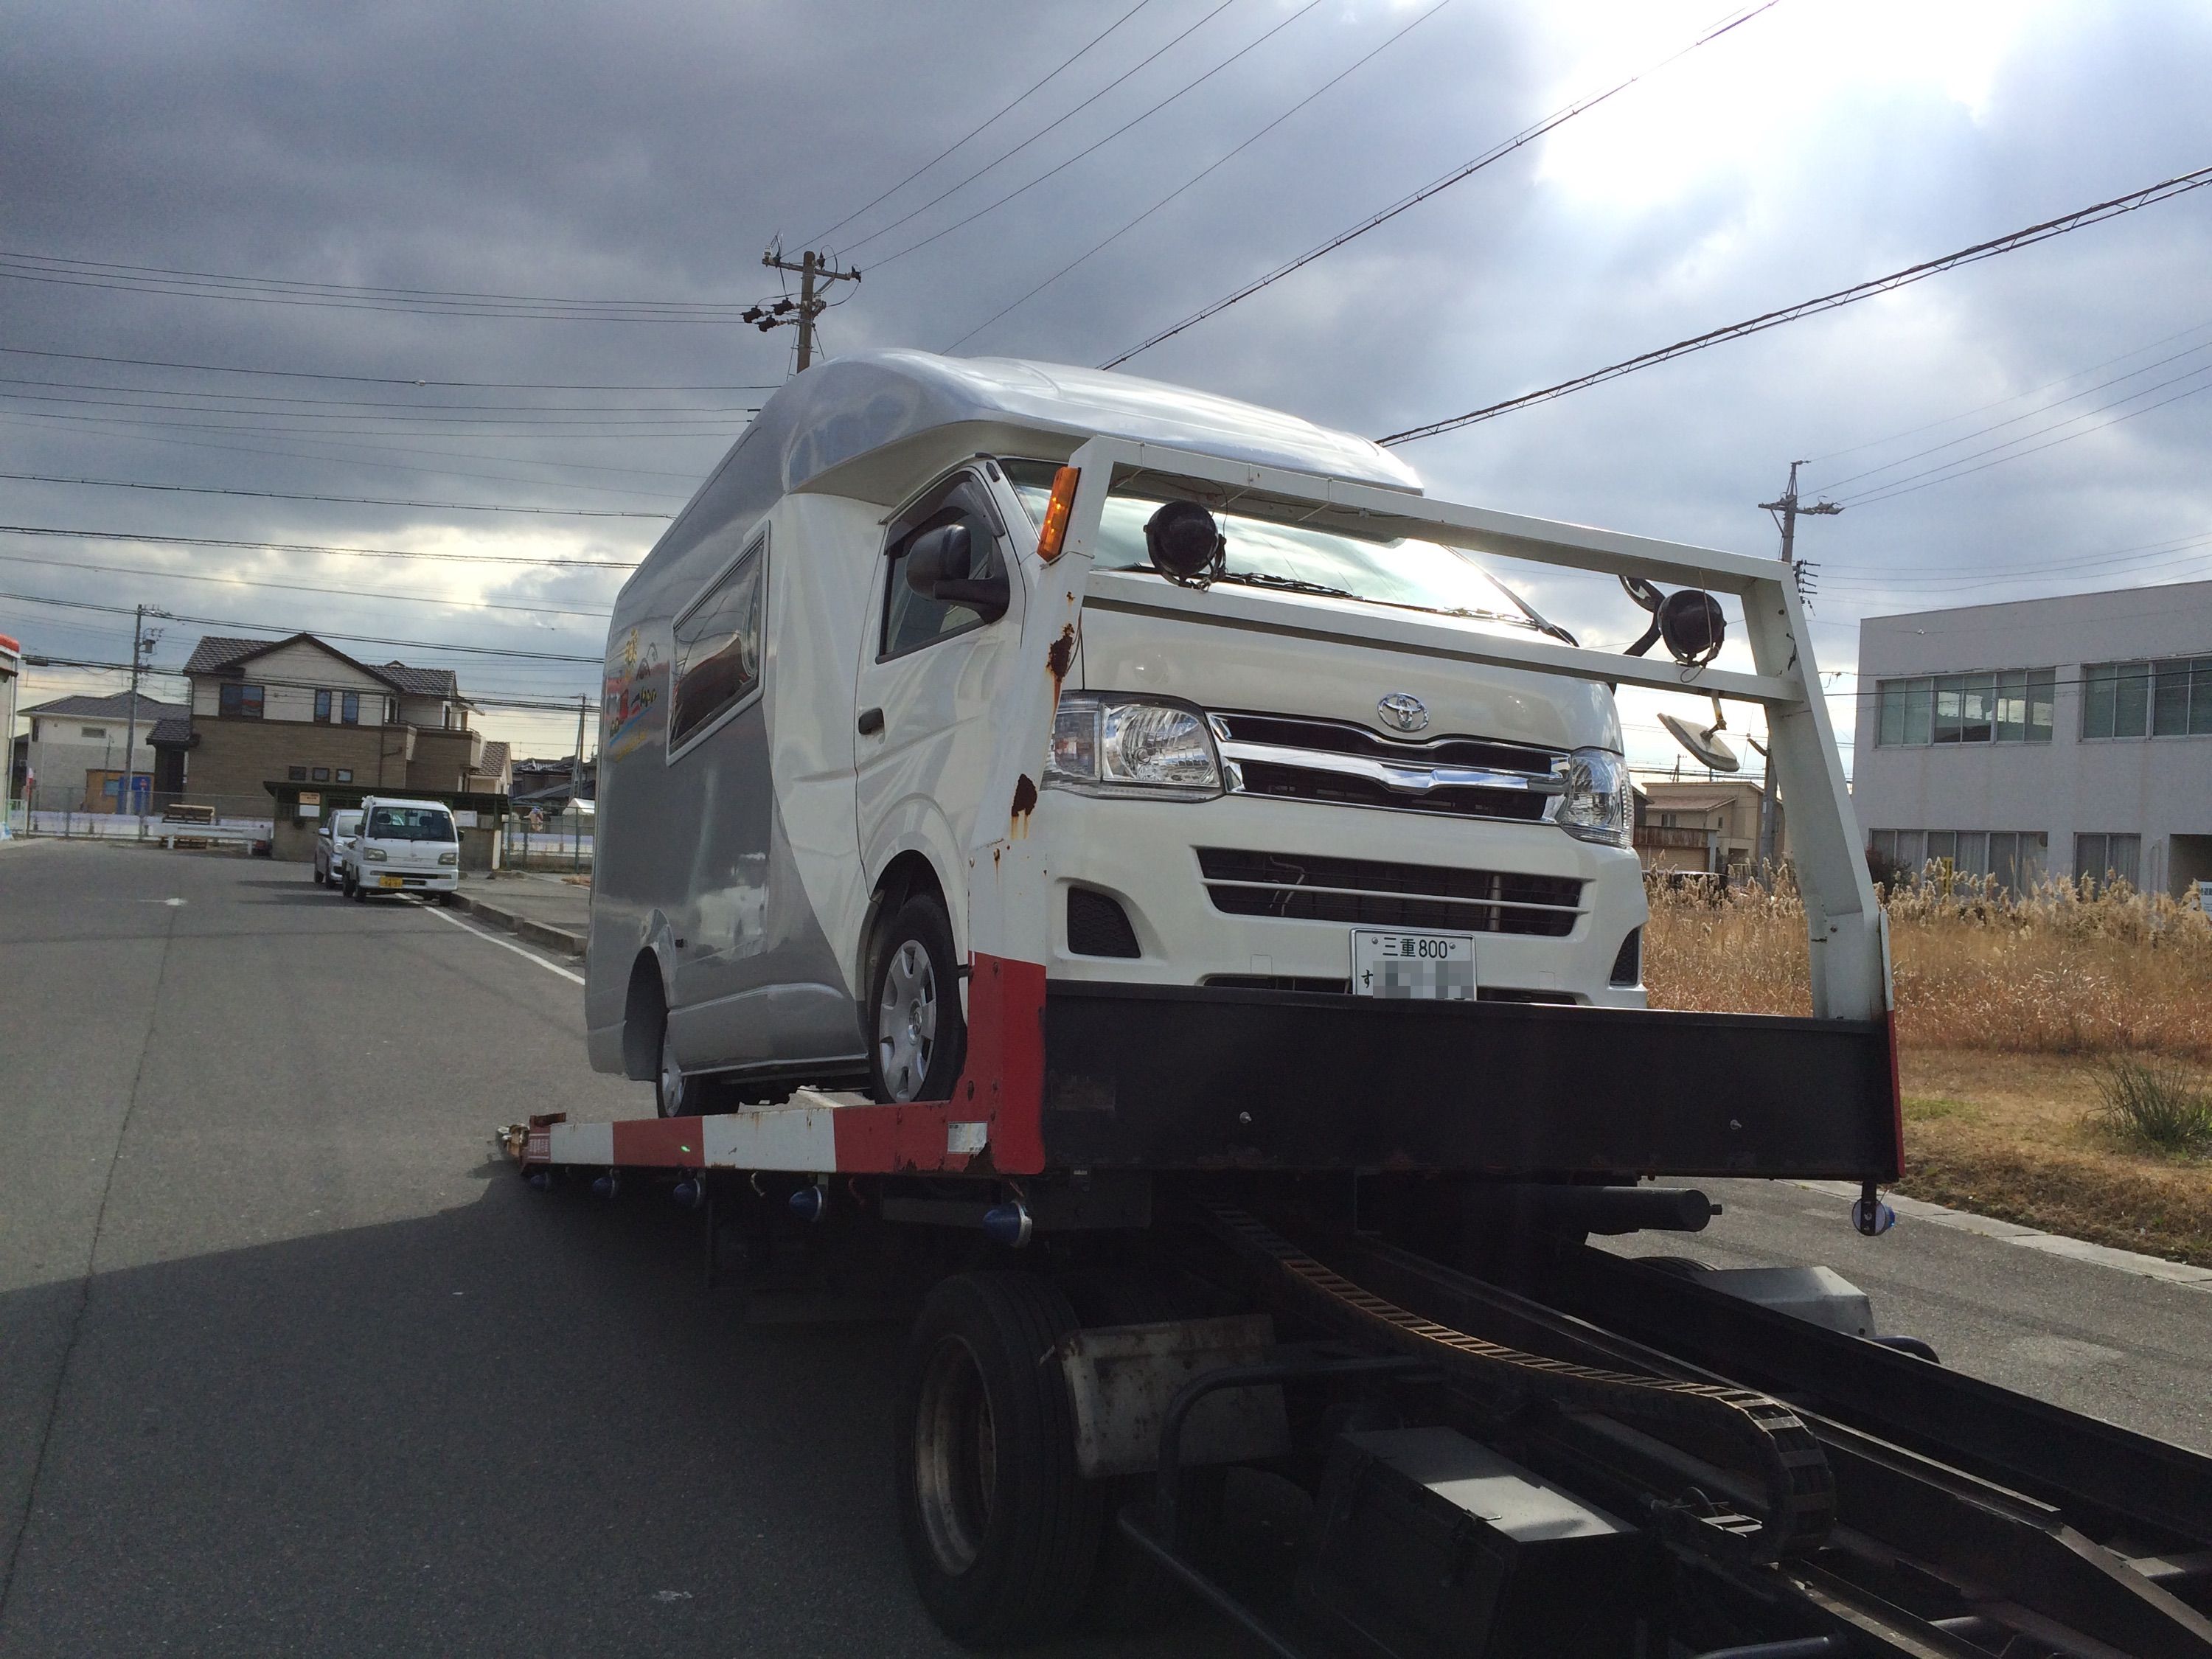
(1145, 855)
(378, 880)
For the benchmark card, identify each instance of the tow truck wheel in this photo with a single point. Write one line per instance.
(918, 1037)
(1001, 1533)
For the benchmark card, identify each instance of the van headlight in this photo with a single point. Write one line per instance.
(1597, 804)
(1107, 745)
(375, 854)
(449, 858)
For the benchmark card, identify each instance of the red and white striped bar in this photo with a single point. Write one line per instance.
(813, 1134)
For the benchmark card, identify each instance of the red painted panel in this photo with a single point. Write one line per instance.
(668, 1143)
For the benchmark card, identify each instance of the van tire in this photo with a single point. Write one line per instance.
(1001, 1533)
(917, 1036)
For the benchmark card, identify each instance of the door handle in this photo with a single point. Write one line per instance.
(870, 722)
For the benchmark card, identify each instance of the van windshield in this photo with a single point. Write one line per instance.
(1416, 574)
(410, 823)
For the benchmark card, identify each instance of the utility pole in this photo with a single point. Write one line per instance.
(130, 732)
(1786, 510)
(575, 778)
(812, 269)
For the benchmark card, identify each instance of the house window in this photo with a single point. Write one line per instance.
(345, 775)
(2168, 699)
(92, 731)
(238, 701)
(323, 706)
(322, 775)
(2109, 858)
(351, 708)
(718, 646)
(2011, 705)
(296, 774)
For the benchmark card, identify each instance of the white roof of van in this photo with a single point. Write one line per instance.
(856, 406)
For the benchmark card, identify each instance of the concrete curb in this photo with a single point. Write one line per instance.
(537, 932)
(2032, 1238)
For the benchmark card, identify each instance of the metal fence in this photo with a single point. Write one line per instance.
(62, 812)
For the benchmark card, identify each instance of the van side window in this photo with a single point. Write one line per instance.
(718, 646)
(911, 621)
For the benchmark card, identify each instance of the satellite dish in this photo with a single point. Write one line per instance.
(1707, 744)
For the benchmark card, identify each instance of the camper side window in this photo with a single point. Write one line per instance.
(718, 646)
(911, 621)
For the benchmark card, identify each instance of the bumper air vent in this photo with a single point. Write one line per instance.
(1628, 966)
(1369, 893)
(1097, 926)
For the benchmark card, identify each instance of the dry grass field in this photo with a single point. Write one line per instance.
(2056, 1049)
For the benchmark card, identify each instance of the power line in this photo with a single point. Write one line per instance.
(1497, 152)
(422, 416)
(1145, 115)
(327, 633)
(819, 237)
(1064, 117)
(361, 403)
(319, 547)
(371, 593)
(383, 379)
(342, 500)
(1198, 177)
(2179, 185)
(346, 296)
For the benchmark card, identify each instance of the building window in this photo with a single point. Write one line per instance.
(296, 774)
(2012, 705)
(2171, 698)
(238, 701)
(2109, 858)
(323, 706)
(322, 775)
(2017, 859)
(345, 775)
(351, 708)
(92, 731)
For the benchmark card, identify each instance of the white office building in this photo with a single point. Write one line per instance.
(2068, 737)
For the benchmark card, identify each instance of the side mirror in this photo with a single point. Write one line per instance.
(932, 561)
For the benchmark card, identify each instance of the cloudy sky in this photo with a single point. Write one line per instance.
(2022, 426)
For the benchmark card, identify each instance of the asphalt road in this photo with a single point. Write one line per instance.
(289, 1362)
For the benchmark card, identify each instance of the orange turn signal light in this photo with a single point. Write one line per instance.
(1056, 510)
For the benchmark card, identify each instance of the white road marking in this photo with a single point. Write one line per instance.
(526, 954)
(2031, 1238)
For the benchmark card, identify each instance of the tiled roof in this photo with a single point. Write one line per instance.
(176, 729)
(421, 682)
(493, 761)
(216, 651)
(117, 707)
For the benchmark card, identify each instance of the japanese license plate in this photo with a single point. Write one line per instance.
(1403, 963)
(391, 881)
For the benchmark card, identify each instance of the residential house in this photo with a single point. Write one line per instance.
(299, 710)
(1706, 826)
(75, 757)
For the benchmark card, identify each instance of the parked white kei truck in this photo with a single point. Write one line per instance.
(402, 846)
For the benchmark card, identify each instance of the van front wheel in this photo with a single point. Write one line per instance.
(917, 1036)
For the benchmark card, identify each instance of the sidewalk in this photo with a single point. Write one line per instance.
(543, 909)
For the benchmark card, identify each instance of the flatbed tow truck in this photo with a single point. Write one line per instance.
(1186, 1258)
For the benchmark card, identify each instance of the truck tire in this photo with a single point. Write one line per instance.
(917, 1038)
(1001, 1533)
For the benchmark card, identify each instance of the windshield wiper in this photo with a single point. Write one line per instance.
(1286, 584)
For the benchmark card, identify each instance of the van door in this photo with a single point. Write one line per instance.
(931, 676)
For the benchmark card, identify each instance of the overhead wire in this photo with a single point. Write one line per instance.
(362, 403)
(385, 380)
(1004, 110)
(1198, 178)
(1145, 115)
(1497, 152)
(458, 602)
(317, 547)
(343, 500)
(2165, 189)
(1062, 119)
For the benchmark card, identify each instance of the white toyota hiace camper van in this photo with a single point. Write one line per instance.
(1281, 750)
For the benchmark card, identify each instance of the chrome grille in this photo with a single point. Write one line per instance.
(1371, 893)
(1306, 759)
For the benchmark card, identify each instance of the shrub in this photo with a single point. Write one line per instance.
(2155, 1106)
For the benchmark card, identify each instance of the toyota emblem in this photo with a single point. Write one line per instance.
(1404, 711)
